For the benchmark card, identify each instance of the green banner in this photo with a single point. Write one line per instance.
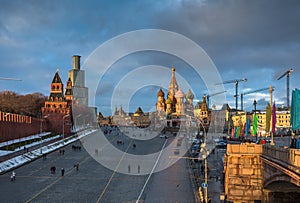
(255, 121)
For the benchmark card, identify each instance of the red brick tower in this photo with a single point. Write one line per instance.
(69, 92)
(57, 110)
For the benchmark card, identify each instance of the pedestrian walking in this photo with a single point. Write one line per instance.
(298, 143)
(293, 142)
(52, 169)
(13, 176)
(63, 151)
(62, 171)
(128, 168)
(76, 166)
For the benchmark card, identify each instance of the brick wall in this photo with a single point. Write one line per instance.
(15, 126)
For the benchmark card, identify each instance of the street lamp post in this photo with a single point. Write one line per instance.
(205, 175)
(41, 131)
(63, 125)
(205, 164)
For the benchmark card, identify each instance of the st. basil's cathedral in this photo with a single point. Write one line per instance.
(178, 107)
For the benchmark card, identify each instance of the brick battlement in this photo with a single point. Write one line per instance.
(16, 118)
(15, 126)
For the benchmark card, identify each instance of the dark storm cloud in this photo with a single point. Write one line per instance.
(231, 31)
(256, 39)
(236, 23)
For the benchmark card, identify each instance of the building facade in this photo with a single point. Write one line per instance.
(282, 121)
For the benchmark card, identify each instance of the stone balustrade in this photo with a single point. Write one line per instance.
(248, 168)
(289, 158)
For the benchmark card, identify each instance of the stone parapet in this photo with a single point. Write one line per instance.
(243, 172)
(243, 149)
(287, 157)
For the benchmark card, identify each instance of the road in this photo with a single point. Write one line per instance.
(96, 183)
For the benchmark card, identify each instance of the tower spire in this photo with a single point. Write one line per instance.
(173, 86)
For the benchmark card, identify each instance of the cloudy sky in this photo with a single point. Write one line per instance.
(258, 40)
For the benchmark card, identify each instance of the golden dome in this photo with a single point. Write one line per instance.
(189, 95)
(169, 101)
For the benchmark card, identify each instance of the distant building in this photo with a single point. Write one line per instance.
(140, 119)
(121, 118)
(282, 121)
(201, 111)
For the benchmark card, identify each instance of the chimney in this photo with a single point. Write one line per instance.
(76, 62)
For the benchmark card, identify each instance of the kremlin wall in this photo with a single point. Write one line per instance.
(56, 115)
(173, 109)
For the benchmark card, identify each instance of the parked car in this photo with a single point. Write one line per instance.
(221, 144)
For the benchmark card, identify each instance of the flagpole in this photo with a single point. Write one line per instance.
(272, 119)
(273, 123)
(272, 139)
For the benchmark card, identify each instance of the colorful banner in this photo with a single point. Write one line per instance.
(295, 110)
(247, 127)
(255, 121)
(237, 129)
(273, 118)
(268, 117)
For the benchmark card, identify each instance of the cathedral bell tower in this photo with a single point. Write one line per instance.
(160, 104)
